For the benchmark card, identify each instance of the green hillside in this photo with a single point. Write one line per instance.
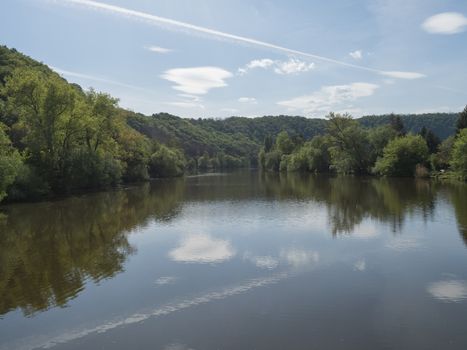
(57, 138)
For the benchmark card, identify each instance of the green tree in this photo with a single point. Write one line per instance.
(166, 162)
(459, 154)
(268, 143)
(442, 158)
(462, 120)
(431, 139)
(402, 155)
(379, 137)
(350, 148)
(10, 163)
(397, 125)
(284, 143)
(51, 113)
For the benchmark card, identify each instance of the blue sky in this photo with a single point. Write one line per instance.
(216, 58)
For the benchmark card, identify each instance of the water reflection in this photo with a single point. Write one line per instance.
(202, 248)
(449, 290)
(50, 250)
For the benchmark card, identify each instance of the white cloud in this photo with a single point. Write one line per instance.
(329, 97)
(445, 23)
(171, 24)
(158, 49)
(291, 66)
(251, 100)
(356, 55)
(449, 291)
(403, 75)
(197, 80)
(262, 262)
(202, 248)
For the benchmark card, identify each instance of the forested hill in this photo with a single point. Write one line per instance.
(241, 136)
(57, 138)
(443, 125)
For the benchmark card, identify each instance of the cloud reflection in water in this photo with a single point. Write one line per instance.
(202, 248)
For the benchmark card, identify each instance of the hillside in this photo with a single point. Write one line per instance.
(61, 138)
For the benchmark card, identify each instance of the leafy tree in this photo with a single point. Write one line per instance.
(350, 148)
(442, 158)
(398, 125)
(379, 137)
(203, 162)
(459, 154)
(166, 162)
(313, 156)
(51, 112)
(10, 163)
(268, 143)
(462, 120)
(402, 155)
(431, 139)
(272, 161)
(284, 143)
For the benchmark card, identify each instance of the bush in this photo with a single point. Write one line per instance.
(401, 156)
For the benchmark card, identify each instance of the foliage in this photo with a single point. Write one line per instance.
(441, 160)
(431, 140)
(10, 163)
(349, 145)
(166, 162)
(402, 155)
(398, 125)
(459, 154)
(59, 138)
(462, 120)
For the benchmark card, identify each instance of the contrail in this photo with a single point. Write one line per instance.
(162, 21)
(94, 78)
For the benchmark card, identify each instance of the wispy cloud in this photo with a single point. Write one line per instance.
(197, 80)
(158, 49)
(291, 66)
(403, 75)
(83, 76)
(356, 55)
(330, 97)
(190, 28)
(445, 23)
(251, 100)
(187, 101)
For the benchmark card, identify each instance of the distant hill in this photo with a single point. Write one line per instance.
(240, 136)
(442, 124)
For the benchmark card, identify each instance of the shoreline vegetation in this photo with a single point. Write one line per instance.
(58, 139)
(388, 150)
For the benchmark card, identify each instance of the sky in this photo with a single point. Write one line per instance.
(218, 58)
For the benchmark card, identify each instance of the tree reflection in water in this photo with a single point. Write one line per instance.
(49, 250)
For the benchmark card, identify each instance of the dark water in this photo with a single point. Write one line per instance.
(239, 261)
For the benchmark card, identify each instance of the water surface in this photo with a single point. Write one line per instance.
(239, 261)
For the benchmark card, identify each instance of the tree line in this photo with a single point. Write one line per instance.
(56, 138)
(388, 150)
